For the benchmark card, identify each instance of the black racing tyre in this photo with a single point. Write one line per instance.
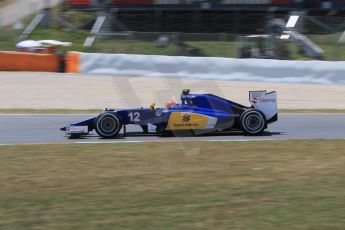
(253, 122)
(108, 125)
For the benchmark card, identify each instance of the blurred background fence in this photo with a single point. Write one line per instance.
(187, 32)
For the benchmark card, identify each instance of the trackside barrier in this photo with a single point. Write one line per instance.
(20, 61)
(73, 62)
(264, 70)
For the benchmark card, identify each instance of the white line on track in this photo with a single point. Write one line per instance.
(169, 141)
(158, 141)
(46, 114)
(242, 140)
(94, 114)
(124, 142)
(108, 142)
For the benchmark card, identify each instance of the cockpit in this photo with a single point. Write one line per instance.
(187, 98)
(208, 101)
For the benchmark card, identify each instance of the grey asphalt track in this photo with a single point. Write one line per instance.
(35, 129)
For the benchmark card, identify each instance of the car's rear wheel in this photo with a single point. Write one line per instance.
(253, 122)
(108, 125)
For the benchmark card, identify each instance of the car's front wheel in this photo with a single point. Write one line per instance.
(108, 125)
(253, 122)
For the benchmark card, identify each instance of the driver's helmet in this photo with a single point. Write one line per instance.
(169, 104)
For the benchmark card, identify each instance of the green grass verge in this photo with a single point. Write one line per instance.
(96, 111)
(252, 185)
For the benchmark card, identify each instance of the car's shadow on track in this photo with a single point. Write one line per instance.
(239, 133)
(181, 134)
(273, 133)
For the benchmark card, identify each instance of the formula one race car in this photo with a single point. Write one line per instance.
(197, 113)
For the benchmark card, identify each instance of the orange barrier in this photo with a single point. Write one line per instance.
(21, 61)
(73, 62)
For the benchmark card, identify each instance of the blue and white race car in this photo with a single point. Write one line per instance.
(197, 113)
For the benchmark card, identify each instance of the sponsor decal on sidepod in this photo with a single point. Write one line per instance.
(182, 121)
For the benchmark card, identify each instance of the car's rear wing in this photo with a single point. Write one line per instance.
(264, 102)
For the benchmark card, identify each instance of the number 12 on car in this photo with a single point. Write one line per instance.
(134, 116)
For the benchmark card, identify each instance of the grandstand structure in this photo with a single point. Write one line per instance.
(208, 4)
(204, 16)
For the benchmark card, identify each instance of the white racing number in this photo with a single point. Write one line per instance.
(134, 117)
